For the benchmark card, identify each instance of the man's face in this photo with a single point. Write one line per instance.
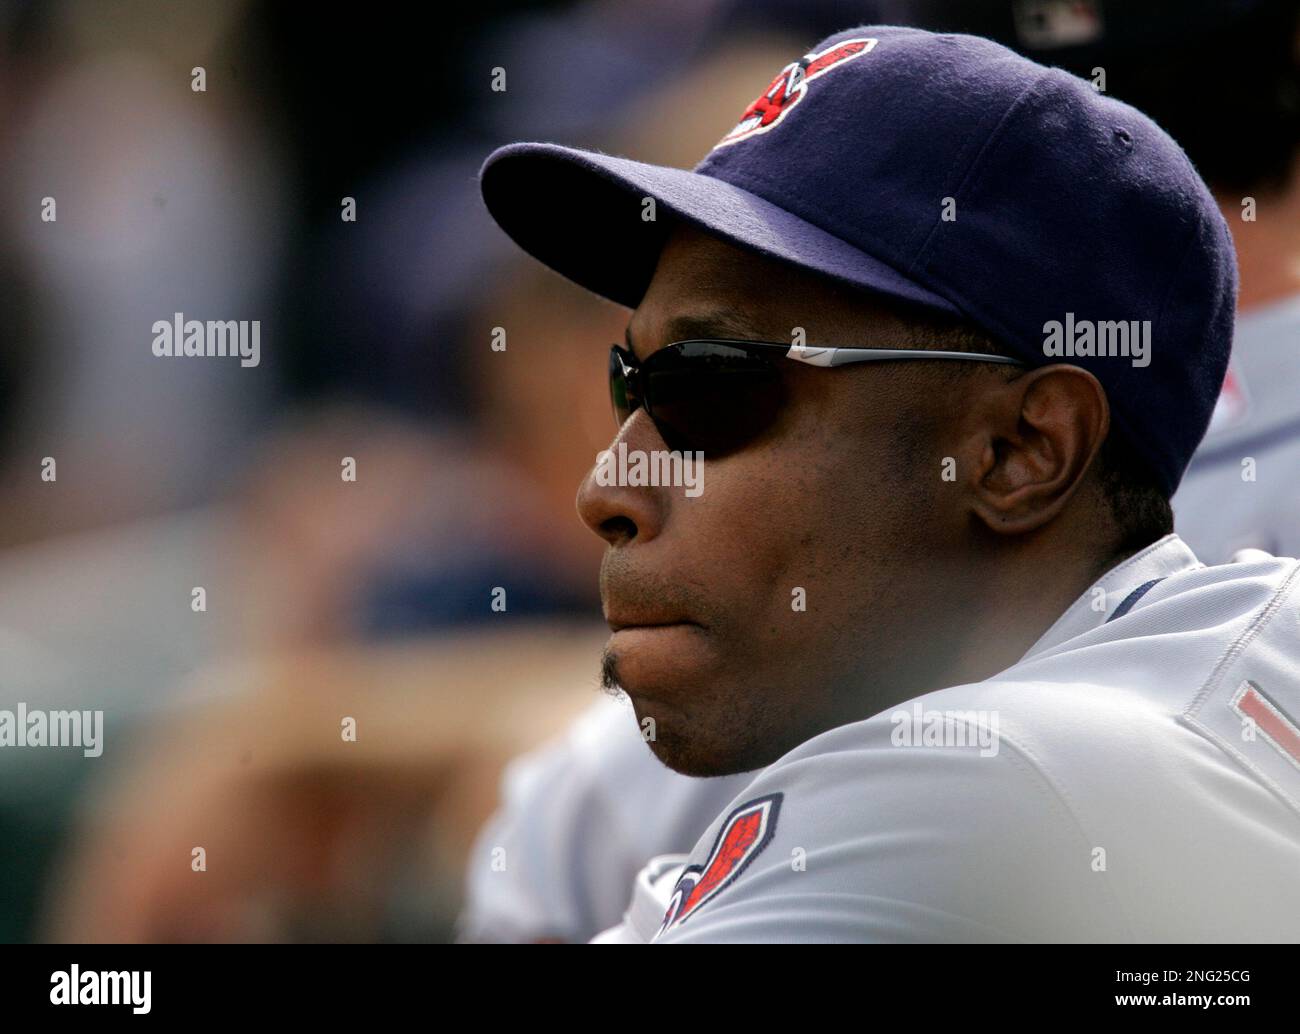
(839, 504)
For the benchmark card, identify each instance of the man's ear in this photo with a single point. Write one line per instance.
(1032, 441)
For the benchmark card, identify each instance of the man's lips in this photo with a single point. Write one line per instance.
(620, 624)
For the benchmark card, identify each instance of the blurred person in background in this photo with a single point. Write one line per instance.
(176, 474)
(125, 198)
(378, 583)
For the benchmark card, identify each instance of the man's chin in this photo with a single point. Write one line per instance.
(693, 733)
(684, 744)
(685, 758)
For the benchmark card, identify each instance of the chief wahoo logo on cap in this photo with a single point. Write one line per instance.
(789, 86)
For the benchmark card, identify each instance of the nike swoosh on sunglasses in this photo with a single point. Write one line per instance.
(716, 395)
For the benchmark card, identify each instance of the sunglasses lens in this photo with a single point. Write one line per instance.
(714, 404)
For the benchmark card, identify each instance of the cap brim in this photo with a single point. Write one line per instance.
(572, 210)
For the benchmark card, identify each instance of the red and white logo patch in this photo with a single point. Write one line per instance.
(789, 87)
(744, 834)
(1269, 719)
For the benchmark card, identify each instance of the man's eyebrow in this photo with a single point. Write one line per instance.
(689, 326)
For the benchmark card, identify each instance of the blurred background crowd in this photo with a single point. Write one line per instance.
(372, 599)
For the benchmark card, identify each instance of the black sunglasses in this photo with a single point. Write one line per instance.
(715, 395)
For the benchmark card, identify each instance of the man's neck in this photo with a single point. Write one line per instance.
(1014, 603)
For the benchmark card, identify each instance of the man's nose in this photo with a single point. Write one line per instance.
(621, 513)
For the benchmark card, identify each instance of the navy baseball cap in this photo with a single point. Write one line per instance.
(945, 171)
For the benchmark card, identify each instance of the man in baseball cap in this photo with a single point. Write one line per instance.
(945, 327)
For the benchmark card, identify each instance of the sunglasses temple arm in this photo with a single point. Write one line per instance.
(845, 356)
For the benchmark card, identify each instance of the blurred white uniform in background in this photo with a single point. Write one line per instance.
(1217, 510)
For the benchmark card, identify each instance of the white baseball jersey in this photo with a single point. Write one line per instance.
(1242, 489)
(1134, 777)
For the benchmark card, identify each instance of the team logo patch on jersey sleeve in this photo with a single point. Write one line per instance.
(744, 834)
(789, 87)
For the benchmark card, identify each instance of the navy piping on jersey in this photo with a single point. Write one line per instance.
(1132, 598)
